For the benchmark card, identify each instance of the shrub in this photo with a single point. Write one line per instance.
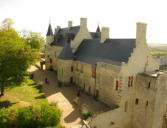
(49, 115)
(58, 126)
(53, 104)
(86, 114)
(31, 117)
(4, 117)
(25, 117)
(13, 118)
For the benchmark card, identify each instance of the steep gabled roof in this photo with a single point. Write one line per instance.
(50, 32)
(69, 32)
(66, 53)
(112, 51)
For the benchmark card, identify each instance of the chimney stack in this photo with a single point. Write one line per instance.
(104, 34)
(141, 31)
(69, 24)
(83, 22)
(58, 27)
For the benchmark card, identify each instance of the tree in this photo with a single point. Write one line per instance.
(16, 54)
(7, 23)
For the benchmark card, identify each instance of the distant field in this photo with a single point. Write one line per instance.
(158, 49)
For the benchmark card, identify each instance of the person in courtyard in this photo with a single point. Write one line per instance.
(46, 80)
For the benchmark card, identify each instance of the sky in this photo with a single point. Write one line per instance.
(120, 16)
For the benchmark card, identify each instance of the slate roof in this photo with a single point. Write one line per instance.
(69, 32)
(66, 53)
(50, 32)
(96, 35)
(112, 51)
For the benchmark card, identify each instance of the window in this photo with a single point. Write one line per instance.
(146, 103)
(149, 84)
(137, 101)
(116, 86)
(93, 71)
(131, 81)
(71, 68)
(50, 60)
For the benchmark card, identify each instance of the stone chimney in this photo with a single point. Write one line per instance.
(69, 24)
(57, 29)
(141, 31)
(83, 22)
(104, 34)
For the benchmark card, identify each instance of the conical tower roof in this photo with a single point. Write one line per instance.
(98, 29)
(50, 32)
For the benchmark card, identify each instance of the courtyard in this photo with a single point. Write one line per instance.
(64, 97)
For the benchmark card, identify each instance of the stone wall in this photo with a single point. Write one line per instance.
(147, 112)
(160, 102)
(52, 52)
(83, 77)
(64, 71)
(145, 93)
(106, 77)
(116, 118)
(162, 59)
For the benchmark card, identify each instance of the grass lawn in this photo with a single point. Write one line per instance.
(26, 94)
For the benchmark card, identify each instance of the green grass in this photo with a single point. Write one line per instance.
(159, 53)
(26, 94)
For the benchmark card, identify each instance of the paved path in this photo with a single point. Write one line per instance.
(64, 96)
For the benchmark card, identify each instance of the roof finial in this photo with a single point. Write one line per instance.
(49, 21)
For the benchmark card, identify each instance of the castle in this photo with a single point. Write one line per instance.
(115, 71)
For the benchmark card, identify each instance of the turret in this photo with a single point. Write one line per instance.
(49, 35)
(98, 29)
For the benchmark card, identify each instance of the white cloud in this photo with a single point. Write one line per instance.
(120, 15)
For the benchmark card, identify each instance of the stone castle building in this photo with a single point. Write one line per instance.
(115, 71)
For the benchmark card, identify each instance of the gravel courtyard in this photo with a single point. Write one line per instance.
(64, 97)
